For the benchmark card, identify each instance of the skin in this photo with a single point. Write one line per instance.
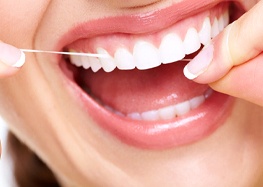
(84, 154)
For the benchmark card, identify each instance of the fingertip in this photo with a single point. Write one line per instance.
(200, 63)
(11, 56)
(11, 59)
(20, 61)
(188, 74)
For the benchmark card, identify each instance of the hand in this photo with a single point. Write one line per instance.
(11, 59)
(233, 62)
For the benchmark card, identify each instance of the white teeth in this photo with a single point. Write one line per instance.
(205, 32)
(124, 59)
(221, 23)
(94, 64)
(76, 60)
(150, 115)
(171, 49)
(169, 112)
(85, 62)
(196, 102)
(108, 64)
(191, 41)
(146, 55)
(208, 93)
(215, 28)
(135, 116)
(166, 113)
(183, 108)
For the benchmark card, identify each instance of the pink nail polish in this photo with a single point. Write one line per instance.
(200, 63)
(11, 56)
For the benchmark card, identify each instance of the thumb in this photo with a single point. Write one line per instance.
(233, 62)
(11, 59)
(237, 44)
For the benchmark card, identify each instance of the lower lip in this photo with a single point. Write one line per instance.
(192, 127)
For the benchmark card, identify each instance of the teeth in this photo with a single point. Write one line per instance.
(221, 23)
(167, 112)
(170, 112)
(191, 41)
(171, 49)
(215, 28)
(85, 62)
(135, 116)
(145, 55)
(108, 64)
(124, 59)
(182, 108)
(76, 60)
(94, 64)
(196, 102)
(205, 32)
(208, 93)
(150, 115)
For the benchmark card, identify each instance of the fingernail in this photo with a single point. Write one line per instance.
(11, 56)
(200, 63)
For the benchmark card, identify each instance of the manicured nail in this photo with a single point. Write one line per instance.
(11, 56)
(200, 63)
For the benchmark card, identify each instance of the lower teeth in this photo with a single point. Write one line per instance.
(166, 113)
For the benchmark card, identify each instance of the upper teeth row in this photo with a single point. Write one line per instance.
(145, 55)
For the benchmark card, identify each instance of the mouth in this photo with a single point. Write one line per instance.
(139, 93)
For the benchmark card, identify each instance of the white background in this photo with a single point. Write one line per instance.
(6, 179)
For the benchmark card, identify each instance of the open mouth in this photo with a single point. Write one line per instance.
(140, 93)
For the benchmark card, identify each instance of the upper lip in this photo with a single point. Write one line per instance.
(140, 23)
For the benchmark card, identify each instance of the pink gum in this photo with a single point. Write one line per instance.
(111, 42)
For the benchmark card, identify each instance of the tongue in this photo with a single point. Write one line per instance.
(140, 91)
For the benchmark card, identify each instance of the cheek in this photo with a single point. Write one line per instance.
(20, 20)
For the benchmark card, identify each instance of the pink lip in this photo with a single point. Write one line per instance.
(137, 23)
(192, 127)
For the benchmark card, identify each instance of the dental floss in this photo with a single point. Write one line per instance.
(66, 53)
(76, 53)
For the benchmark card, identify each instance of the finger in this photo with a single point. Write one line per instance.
(237, 44)
(11, 59)
(244, 81)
